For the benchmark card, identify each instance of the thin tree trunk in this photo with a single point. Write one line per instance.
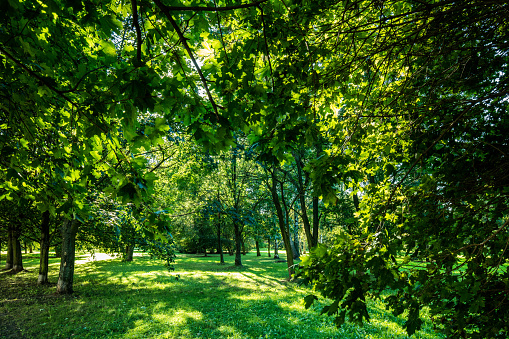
(303, 206)
(257, 243)
(268, 247)
(219, 244)
(316, 217)
(58, 250)
(316, 221)
(66, 275)
(238, 236)
(10, 255)
(282, 226)
(276, 247)
(30, 248)
(295, 240)
(243, 243)
(44, 255)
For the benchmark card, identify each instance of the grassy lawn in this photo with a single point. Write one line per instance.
(142, 300)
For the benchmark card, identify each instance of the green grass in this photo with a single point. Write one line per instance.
(142, 300)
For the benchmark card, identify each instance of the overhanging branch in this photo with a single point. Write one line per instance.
(207, 9)
(183, 41)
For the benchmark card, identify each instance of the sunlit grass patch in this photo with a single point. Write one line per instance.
(141, 299)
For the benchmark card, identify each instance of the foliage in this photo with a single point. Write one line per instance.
(415, 148)
(402, 104)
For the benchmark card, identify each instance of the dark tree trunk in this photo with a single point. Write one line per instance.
(30, 248)
(257, 243)
(66, 275)
(10, 253)
(45, 241)
(129, 252)
(268, 247)
(219, 244)
(238, 239)
(295, 243)
(25, 246)
(302, 201)
(243, 243)
(282, 226)
(17, 259)
(316, 221)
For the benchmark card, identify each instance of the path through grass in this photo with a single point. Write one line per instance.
(142, 300)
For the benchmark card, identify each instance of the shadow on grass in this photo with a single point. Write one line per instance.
(141, 299)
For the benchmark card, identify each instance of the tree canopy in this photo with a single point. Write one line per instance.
(399, 105)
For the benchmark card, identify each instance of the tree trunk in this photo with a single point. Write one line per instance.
(17, 259)
(219, 244)
(282, 226)
(30, 248)
(316, 221)
(10, 255)
(58, 250)
(66, 275)
(257, 243)
(129, 252)
(243, 243)
(268, 247)
(303, 206)
(45, 241)
(295, 240)
(238, 237)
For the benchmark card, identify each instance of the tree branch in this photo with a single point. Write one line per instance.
(136, 24)
(208, 9)
(183, 40)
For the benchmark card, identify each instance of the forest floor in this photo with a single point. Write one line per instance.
(200, 299)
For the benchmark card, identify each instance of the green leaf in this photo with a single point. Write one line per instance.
(308, 300)
(108, 48)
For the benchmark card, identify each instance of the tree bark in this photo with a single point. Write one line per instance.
(17, 259)
(45, 241)
(66, 275)
(302, 202)
(276, 247)
(257, 243)
(238, 236)
(295, 240)
(219, 244)
(10, 255)
(268, 247)
(282, 226)
(129, 252)
(316, 221)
